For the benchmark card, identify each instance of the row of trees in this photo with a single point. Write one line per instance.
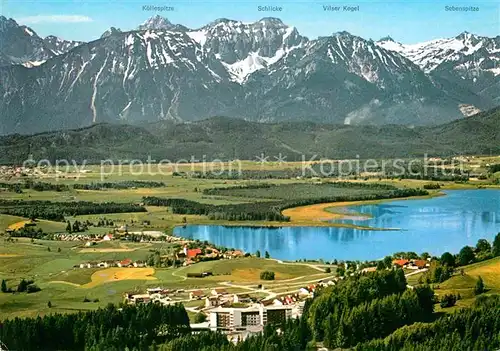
(29, 232)
(24, 285)
(128, 184)
(467, 255)
(132, 326)
(43, 186)
(56, 211)
(76, 227)
(37, 186)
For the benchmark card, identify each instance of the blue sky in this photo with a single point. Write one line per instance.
(406, 21)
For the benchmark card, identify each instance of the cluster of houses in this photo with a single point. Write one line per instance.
(10, 171)
(194, 255)
(126, 263)
(237, 315)
(158, 294)
(220, 297)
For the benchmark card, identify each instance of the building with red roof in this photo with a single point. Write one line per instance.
(420, 263)
(400, 263)
(191, 253)
(125, 263)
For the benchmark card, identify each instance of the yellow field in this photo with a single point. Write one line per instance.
(18, 225)
(117, 274)
(313, 212)
(8, 255)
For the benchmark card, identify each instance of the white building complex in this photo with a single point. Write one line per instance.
(239, 319)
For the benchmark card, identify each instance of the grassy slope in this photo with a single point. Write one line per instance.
(464, 284)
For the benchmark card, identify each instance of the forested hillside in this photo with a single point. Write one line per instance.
(227, 138)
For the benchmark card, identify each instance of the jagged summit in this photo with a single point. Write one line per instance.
(156, 22)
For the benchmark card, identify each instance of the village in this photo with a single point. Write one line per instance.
(238, 315)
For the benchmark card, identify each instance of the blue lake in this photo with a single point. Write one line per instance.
(445, 223)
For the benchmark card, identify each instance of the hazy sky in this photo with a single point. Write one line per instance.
(406, 21)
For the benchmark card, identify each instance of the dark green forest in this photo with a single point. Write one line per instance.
(229, 138)
(56, 211)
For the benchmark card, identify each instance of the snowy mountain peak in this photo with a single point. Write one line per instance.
(464, 35)
(462, 52)
(156, 22)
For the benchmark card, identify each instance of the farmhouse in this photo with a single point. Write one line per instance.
(400, 263)
(418, 264)
(125, 263)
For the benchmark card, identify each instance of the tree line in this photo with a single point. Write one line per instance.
(18, 187)
(128, 184)
(130, 326)
(37, 186)
(269, 210)
(57, 211)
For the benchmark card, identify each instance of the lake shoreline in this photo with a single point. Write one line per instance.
(423, 226)
(312, 222)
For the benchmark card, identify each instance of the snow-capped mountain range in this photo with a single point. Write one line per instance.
(263, 71)
(22, 45)
(430, 55)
